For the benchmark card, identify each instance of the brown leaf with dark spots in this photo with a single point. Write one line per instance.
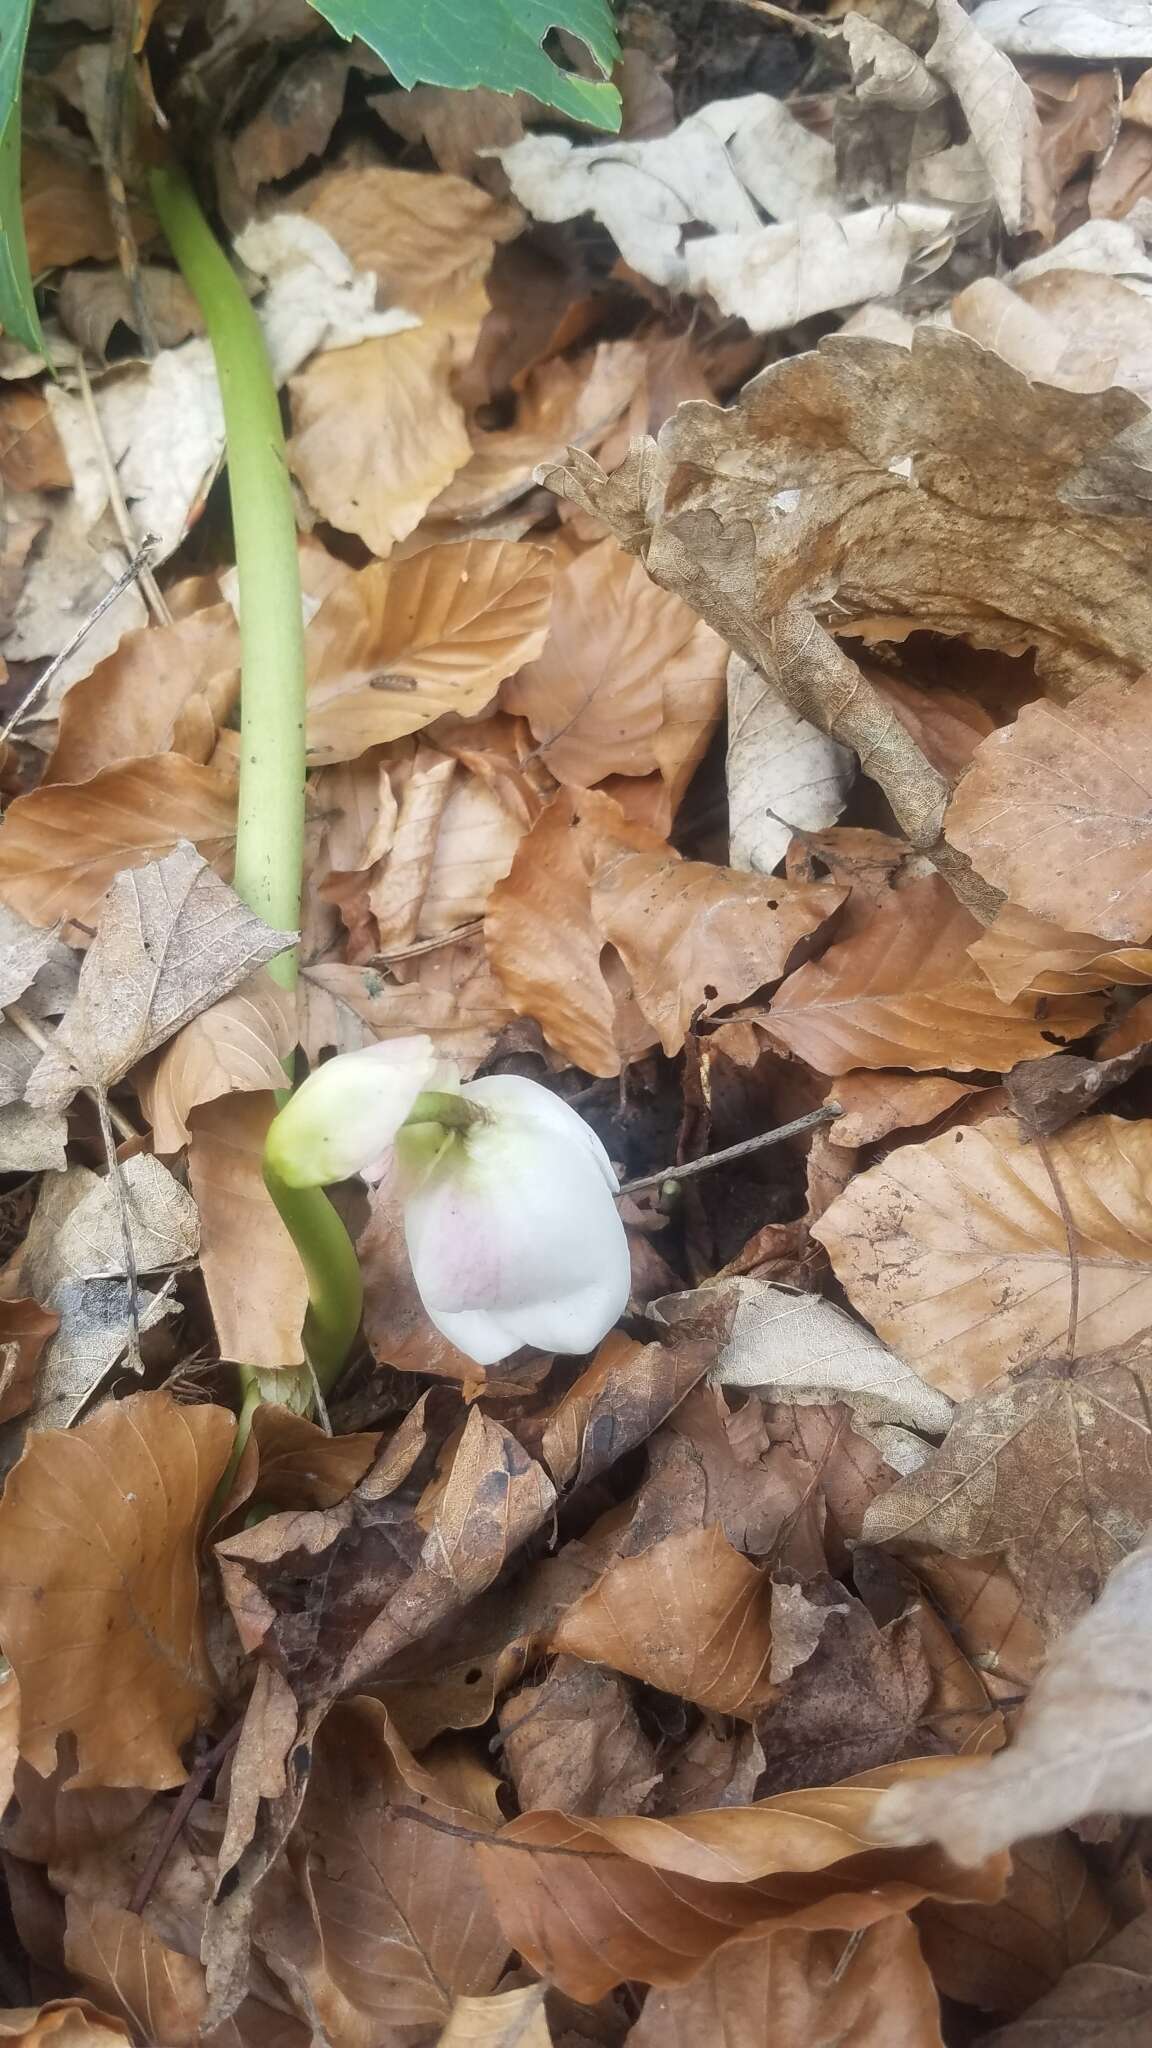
(493, 1496)
(865, 1990)
(656, 1899)
(618, 1402)
(574, 1742)
(853, 1704)
(877, 1104)
(1051, 1467)
(115, 1506)
(690, 1616)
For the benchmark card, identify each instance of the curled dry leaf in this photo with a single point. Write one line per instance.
(1021, 952)
(65, 2022)
(163, 688)
(575, 1742)
(779, 276)
(401, 643)
(621, 1399)
(876, 1105)
(63, 845)
(257, 1287)
(376, 433)
(1082, 1743)
(172, 938)
(116, 1506)
(1001, 116)
(157, 1990)
(237, 1045)
(902, 991)
(599, 1912)
(1051, 1469)
(629, 679)
(1057, 810)
(870, 1989)
(957, 1252)
(689, 1616)
(782, 772)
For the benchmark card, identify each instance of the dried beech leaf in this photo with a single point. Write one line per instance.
(689, 1616)
(401, 643)
(163, 688)
(427, 237)
(172, 938)
(1082, 1744)
(865, 1990)
(239, 1043)
(629, 679)
(957, 1253)
(668, 1895)
(875, 1105)
(1021, 952)
(63, 845)
(256, 1284)
(114, 1507)
(575, 1742)
(902, 991)
(65, 2022)
(1057, 810)
(25, 1328)
(619, 1401)
(1051, 1469)
(782, 772)
(1105, 2002)
(1003, 1957)
(159, 1991)
(510, 2019)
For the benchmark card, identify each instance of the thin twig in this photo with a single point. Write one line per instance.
(419, 946)
(153, 595)
(490, 1841)
(119, 100)
(826, 1115)
(18, 1015)
(140, 560)
(189, 1793)
(796, 21)
(1041, 1145)
(120, 1193)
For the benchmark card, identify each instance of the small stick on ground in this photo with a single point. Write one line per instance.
(826, 1115)
(140, 560)
(153, 595)
(120, 1191)
(190, 1792)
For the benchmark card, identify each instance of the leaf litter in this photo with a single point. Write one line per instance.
(725, 555)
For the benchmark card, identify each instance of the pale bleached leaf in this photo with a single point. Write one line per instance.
(782, 772)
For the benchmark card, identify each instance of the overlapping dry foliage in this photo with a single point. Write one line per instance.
(726, 556)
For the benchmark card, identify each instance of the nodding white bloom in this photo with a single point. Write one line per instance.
(512, 1231)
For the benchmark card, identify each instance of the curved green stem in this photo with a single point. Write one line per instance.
(270, 823)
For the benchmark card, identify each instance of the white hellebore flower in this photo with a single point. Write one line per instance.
(512, 1231)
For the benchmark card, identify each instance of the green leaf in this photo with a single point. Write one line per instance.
(18, 315)
(487, 42)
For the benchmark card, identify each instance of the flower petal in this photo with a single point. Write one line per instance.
(343, 1118)
(512, 1098)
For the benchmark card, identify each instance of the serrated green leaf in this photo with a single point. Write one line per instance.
(18, 315)
(496, 43)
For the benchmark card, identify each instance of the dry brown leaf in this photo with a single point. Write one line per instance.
(510, 2019)
(574, 1742)
(62, 846)
(115, 1508)
(163, 688)
(1021, 952)
(404, 642)
(31, 455)
(689, 1616)
(376, 433)
(986, 1617)
(864, 1990)
(25, 1328)
(238, 1045)
(256, 1284)
(172, 938)
(293, 1463)
(902, 992)
(1051, 1469)
(66, 2022)
(66, 218)
(619, 1401)
(92, 302)
(427, 236)
(946, 726)
(855, 1703)
(1082, 1744)
(1057, 810)
(655, 1900)
(402, 1915)
(452, 995)
(629, 679)
(157, 1990)
(458, 126)
(1103, 2003)
(957, 1253)
(293, 122)
(876, 1105)
(1003, 1957)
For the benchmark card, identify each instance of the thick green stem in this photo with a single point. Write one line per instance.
(270, 824)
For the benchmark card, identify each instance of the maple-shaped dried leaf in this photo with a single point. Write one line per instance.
(257, 1287)
(239, 1044)
(629, 679)
(902, 991)
(1020, 951)
(401, 643)
(377, 433)
(1105, 2002)
(427, 236)
(163, 688)
(64, 844)
(1057, 811)
(869, 1989)
(1051, 1469)
(957, 1252)
(401, 1912)
(116, 1507)
(656, 1899)
(172, 939)
(1082, 1745)
(63, 2022)
(689, 1616)
(575, 1742)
